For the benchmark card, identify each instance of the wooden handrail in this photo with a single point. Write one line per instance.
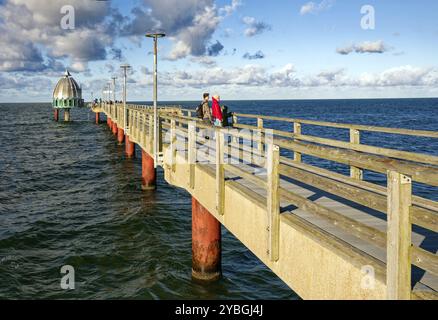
(411, 132)
(397, 201)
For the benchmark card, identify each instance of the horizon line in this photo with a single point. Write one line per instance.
(298, 99)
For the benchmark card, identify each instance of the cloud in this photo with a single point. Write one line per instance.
(400, 76)
(204, 60)
(258, 55)
(190, 24)
(254, 27)
(229, 9)
(37, 42)
(315, 8)
(215, 49)
(364, 47)
(287, 77)
(371, 47)
(241, 80)
(345, 50)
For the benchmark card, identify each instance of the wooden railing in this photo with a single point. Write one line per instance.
(231, 146)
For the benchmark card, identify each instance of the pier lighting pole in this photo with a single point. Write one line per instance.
(125, 68)
(108, 85)
(114, 88)
(155, 36)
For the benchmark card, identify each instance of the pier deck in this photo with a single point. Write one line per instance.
(325, 234)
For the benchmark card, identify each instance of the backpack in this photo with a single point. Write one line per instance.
(200, 111)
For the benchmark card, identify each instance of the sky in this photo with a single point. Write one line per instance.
(239, 49)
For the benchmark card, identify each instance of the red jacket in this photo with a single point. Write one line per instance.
(216, 110)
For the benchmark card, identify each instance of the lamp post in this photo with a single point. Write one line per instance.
(155, 36)
(125, 68)
(114, 89)
(108, 85)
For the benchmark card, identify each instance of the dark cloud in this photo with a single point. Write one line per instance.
(37, 40)
(258, 55)
(116, 54)
(215, 49)
(190, 24)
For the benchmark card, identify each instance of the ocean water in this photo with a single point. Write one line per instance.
(68, 196)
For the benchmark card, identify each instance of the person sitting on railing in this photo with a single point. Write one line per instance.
(216, 111)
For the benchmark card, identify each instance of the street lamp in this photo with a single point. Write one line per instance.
(125, 68)
(114, 88)
(155, 36)
(108, 85)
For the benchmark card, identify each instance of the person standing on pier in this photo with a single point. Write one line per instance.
(217, 112)
(203, 111)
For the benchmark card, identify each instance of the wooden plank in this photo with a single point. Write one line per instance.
(424, 295)
(259, 134)
(419, 133)
(398, 264)
(418, 172)
(220, 172)
(421, 202)
(342, 188)
(151, 135)
(351, 226)
(394, 153)
(173, 144)
(297, 131)
(235, 119)
(143, 130)
(273, 200)
(191, 155)
(424, 260)
(355, 173)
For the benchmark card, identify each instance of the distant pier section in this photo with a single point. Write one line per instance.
(326, 235)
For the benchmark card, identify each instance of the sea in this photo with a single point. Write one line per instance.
(69, 196)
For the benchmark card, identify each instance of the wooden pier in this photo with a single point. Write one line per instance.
(326, 235)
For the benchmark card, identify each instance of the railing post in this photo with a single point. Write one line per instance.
(398, 261)
(191, 155)
(220, 172)
(259, 135)
(131, 122)
(143, 129)
(273, 200)
(234, 119)
(137, 122)
(297, 130)
(151, 134)
(355, 173)
(173, 144)
(160, 134)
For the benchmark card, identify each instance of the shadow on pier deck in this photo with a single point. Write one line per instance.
(327, 235)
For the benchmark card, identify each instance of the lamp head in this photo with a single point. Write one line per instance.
(155, 34)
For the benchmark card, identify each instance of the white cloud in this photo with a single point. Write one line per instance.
(314, 8)
(254, 27)
(230, 8)
(364, 47)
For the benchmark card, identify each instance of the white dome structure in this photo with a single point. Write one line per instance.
(67, 93)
